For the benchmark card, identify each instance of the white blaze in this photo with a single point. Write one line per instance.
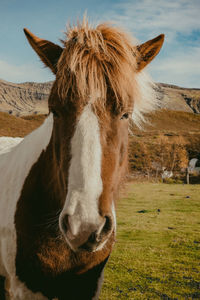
(85, 183)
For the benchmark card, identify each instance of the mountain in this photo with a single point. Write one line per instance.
(24, 98)
(179, 99)
(31, 98)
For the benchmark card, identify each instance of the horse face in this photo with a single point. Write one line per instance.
(92, 146)
(91, 100)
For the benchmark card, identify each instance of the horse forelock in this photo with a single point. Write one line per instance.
(97, 59)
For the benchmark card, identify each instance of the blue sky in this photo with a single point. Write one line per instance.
(178, 62)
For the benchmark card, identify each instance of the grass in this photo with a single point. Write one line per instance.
(164, 121)
(175, 122)
(157, 253)
(15, 126)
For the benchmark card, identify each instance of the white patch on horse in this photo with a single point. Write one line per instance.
(85, 183)
(7, 143)
(14, 168)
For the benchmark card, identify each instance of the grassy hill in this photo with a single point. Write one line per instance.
(161, 122)
(169, 139)
(167, 121)
(18, 127)
(165, 131)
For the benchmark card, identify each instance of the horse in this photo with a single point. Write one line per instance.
(7, 143)
(59, 185)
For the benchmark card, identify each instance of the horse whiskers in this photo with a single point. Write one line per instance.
(53, 214)
(59, 237)
(48, 223)
(51, 221)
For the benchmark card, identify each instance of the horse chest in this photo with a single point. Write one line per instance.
(46, 273)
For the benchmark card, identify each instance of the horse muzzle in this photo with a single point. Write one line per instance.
(88, 237)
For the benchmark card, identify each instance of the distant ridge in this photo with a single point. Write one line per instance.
(31, 98)
(179, 98)
(177, 87)
(24, 98)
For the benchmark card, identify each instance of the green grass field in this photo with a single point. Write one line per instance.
(157, 253)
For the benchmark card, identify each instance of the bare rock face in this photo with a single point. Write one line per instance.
(193, 103)
(31, 98)
(24, 98)
(179, 99)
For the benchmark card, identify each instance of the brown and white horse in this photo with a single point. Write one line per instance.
(58, 186)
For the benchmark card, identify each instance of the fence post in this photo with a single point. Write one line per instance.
(187, 176)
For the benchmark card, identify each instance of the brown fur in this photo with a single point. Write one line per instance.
(98, 66)
(93, 60)
(42, 252)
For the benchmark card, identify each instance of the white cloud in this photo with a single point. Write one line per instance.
(181, 68)
(22, 73)
(179, 61)
(145, 17)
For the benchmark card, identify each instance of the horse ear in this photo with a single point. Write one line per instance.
(48, 52)
(148, 51)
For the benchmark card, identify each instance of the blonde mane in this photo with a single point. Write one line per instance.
(94, 59)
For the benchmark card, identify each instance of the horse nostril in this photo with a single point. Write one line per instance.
(65, 223)
(107, 226)
(86, 238)
(92, 238)
(97, 237)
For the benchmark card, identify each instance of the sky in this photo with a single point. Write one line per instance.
(178, 62)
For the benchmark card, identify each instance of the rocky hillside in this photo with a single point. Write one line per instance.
(24, 98)
(31, 98)
(178, 98)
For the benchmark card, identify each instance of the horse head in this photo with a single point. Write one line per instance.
(95, 93)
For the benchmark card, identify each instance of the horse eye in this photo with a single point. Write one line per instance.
(124, 116)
